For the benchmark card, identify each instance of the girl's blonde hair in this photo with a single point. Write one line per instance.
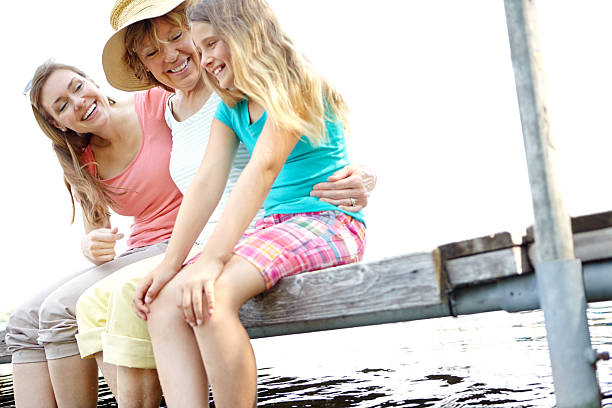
(136, 33)
(90, 192)
(269, 69)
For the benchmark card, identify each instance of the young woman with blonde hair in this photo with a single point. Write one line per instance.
(292, 122)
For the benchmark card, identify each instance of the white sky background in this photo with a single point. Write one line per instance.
(434, 112)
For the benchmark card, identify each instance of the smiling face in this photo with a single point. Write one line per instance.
(174, 60)
(74, 102)
(216, 55)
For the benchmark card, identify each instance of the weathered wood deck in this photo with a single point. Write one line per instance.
(404, 287)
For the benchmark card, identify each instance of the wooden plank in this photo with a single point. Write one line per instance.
(592, 222)
(359, 294)
(589, 246)
(583, 223)
(5, 356)
(487, 266)
(365, 288)
(347, 291)
(488, 243)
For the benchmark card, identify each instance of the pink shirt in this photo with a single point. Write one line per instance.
(151, 197)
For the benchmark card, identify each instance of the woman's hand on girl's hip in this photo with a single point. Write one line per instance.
(348, 188)
(99, 245)
(196, 294)
(150, 286)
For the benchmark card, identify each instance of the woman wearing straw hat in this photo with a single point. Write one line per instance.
(153, 47)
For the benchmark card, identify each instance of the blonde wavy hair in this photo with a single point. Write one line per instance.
(268, 68)
(136, 33)
(94, 197)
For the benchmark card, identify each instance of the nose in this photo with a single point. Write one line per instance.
(78, 102)
(206, 61)
(170, 52)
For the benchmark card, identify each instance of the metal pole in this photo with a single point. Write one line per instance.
(558, 274)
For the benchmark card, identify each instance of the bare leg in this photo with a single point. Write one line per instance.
(222, 341)
(181, 372)
(224, 344)
(75, 381)
(109, 371)
(32, 385)
(138, 388)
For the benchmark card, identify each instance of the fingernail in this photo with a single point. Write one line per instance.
(147, 299)
(199, 322)
(191, 324)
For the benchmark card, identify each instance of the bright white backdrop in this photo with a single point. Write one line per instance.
(434, 112)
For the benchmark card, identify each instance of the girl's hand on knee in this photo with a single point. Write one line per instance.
(197, 291)
(149, 287)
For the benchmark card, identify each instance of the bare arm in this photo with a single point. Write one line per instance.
(203, 193)
(270, 153)
(202, 197)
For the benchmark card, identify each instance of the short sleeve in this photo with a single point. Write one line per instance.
(224, 114)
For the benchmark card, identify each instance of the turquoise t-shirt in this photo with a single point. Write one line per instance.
(306, 165)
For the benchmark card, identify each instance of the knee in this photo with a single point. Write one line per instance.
(25, 315)
(123, 290)
(86, 308)
(227, 297)
(164, 307)
(53, 311)
(22, 326)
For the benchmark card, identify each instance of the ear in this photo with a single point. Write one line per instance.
(57, 125)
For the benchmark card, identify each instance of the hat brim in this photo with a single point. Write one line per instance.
(117, 72)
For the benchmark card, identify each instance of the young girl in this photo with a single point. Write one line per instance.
(291, 121)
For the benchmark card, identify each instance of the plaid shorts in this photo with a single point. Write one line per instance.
(282, 245)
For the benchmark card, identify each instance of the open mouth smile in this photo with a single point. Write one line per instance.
(180, 67)
(217, 70)
(92, 107)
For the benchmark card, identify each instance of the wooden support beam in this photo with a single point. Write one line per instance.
(484, 259)
(487, 266)
(488, 243)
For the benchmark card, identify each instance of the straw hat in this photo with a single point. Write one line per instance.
(124, 13)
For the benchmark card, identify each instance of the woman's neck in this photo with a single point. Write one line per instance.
(113, 132)
(185, 103)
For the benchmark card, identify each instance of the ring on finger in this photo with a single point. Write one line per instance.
(352, 201)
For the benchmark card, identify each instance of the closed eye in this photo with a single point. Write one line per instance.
(150, 53)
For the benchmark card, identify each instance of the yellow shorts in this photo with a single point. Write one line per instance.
(108, 322)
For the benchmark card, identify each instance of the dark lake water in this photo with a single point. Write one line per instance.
(488, 360)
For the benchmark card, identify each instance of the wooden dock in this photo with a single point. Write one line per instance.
(407, 287)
